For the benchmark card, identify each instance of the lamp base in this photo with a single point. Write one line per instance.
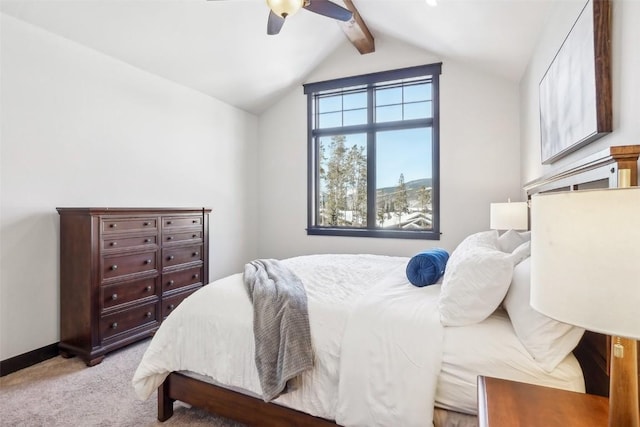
(623, 384)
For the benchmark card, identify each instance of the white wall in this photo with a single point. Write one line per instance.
(625, 77)
(479, 155)
(82, 129)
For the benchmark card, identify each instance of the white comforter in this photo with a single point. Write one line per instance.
(377, 341)
(391, 357)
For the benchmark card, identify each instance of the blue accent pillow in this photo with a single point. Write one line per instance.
(425, 268)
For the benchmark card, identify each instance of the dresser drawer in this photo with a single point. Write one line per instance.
(116, 266)
(180, 279)
(121, 242)
(169, 237)
(123, 321)
(170, 303)
(118, 225)
(181, 255)
(122, 293)
(181, 221)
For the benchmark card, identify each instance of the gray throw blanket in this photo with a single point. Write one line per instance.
(280, 325)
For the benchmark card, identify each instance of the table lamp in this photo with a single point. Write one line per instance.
(508, 216)
(585, 271)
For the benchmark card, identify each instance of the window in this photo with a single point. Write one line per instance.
(373, 154)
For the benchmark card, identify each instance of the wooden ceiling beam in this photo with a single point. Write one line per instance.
(357, 32)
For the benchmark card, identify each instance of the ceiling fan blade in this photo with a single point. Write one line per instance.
(274, 24)
(330, 9)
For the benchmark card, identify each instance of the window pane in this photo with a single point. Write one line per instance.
(417, 110)
(329, 120)
(355, 117)
(342, 195)
(389, 96)
(404, 179)
(354, 101)
(328, 104)
(388, 114)
(420, 92)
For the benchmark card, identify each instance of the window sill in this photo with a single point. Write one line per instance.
(378, 233)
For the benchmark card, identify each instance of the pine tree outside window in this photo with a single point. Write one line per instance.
(373, 154)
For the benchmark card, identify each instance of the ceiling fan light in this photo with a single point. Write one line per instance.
(284, 8)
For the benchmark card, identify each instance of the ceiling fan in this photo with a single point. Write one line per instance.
(281, 9)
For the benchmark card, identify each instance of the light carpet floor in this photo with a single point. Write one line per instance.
(64, 392)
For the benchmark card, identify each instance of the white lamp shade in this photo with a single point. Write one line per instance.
(585, 259)
(508, 216)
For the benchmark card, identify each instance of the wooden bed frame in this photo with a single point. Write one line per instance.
(598, 170)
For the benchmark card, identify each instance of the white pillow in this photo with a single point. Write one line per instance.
(475, 281)
(511, 239)
(521, 253)
(526, 235)
(547, 340)
(483, 238)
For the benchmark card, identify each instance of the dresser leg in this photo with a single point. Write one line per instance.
(94, 362)
(65, 354)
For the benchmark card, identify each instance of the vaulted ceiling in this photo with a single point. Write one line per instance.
(221, 48)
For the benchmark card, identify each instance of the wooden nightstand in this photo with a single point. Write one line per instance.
(503, 403)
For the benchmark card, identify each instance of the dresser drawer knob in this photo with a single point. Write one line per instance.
(170, 257)
(196, 254)
(171, 306)
(114, 243)
(170, 283)
(114, 325)
(114, 297)
(148, 289)
(148, 314)
(194, 236)
(114, 267)
(169, 222)
(113, 225)
(145, 223)
(148, 261)
(195, 276)
(147, 240)
(195, 221)
(170, 238)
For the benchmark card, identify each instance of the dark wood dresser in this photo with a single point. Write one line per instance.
(122, 272)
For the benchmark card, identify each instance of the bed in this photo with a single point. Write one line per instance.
(193, 359)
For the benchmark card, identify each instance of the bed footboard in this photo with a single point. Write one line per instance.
(230, 404)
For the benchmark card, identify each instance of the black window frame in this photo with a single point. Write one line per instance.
(370, 128)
